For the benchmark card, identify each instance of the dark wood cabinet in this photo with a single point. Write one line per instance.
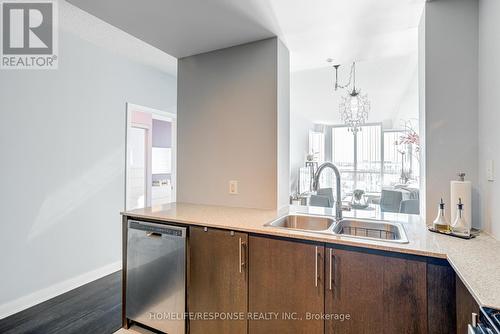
(278, 285)
(466, 305)
(405, 294)
(356, 291)
(286, 284)
(217, 280)
(441, 301)
(378, 292)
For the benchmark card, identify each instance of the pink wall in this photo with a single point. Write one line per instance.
(143, 118)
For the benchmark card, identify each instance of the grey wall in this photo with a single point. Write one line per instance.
(62, 144)
(283, 135)
(489, 111)
(228, 126)
(421, 116)
(451, 99)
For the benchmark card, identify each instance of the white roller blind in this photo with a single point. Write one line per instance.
(161, 160)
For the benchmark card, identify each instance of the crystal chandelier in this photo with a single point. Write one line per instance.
(354, 107)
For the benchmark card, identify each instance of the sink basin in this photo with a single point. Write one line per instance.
(304, 222)
(371, 229)
(380, 230)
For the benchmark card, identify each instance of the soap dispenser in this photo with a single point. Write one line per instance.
(460, 226)
(440, 223)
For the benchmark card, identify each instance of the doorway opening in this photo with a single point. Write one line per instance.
(150, 157)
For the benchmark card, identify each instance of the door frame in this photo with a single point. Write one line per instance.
(169, 116)
(147, 167)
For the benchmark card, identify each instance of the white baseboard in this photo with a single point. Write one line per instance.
(57, 289)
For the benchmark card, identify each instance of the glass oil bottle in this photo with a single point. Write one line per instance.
(440, 223)
(460, 226)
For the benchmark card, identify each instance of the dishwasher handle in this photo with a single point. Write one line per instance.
(157, 230)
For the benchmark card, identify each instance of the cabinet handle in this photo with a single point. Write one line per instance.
(243, 246)
(475, 320)
(331, 268)
(316, 255)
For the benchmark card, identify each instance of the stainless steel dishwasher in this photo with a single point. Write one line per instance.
(156, 276)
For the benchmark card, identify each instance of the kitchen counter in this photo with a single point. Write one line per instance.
(476, 261)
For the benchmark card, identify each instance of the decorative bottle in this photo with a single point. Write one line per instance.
(460, 226)
(440, 223)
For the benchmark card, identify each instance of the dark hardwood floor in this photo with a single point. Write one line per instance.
(94, 308)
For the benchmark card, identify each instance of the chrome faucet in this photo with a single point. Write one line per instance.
(338, 200)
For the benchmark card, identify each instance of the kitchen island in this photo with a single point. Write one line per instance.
(475, 262)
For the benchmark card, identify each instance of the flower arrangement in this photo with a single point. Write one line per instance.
(408, 144)
(358, 200)
(410, 137)
(358, 194)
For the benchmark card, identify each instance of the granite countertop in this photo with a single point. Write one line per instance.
(476, 261)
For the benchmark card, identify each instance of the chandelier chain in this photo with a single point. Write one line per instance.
(352, 74)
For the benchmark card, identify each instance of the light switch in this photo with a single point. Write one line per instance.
(490, 171)
(233, 187)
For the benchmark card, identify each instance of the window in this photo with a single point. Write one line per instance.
(359, 157)
(343, 148)
(370, 159)
(343, 157)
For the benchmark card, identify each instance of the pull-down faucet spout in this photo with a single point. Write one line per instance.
(338, 200)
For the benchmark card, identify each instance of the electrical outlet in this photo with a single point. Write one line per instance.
(490, 171)
(233, 187)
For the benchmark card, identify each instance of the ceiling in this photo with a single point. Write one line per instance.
(390, 83)
(313, 30)
(102, 34)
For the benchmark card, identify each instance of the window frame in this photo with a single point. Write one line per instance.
(321, 153)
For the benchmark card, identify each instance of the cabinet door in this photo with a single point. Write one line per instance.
(378, 293)
(405, 295)
(286, 283)
(441, 298)
(217, 281)
(466, 305)
(354, 289)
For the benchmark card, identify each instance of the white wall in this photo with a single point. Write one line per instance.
(407, 107)
(489, 111)
(299, 143)
(62, 143)
(228, 126)
(451, 99)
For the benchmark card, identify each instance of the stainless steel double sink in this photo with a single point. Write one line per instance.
(351, 227)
